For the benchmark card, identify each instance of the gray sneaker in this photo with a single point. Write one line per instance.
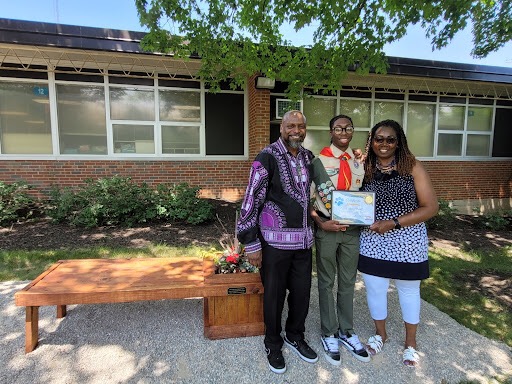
(331, 349)
(354, 346)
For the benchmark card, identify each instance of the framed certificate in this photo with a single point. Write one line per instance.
(353, 208)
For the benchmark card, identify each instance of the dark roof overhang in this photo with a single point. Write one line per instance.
(102, 39)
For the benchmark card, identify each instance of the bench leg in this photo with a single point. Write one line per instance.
(61, 311)
(31, 328)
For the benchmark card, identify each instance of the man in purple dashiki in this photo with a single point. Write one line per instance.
(275, 228)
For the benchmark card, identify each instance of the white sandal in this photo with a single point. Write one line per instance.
(374, 344)
(411, 355)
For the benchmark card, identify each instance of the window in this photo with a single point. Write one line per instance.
(132, 104)
(81, 116)
(451, 117)
(388, 110)
(449, 145)
(360, 113)
(133, 138)
(420, 129)
(464, 131)
(478, 145)
(180, 106)
(176, 108)
(319, 111)
(224, 132)
(25, 126)
(502, 133)
(180, 139)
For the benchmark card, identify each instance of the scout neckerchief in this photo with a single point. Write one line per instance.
(323, 183)
(345, 174)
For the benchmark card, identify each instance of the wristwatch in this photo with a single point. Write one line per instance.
(397, 223)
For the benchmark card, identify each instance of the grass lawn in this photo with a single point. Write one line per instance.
(457, 286)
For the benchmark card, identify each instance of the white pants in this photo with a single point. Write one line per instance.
(377, 297)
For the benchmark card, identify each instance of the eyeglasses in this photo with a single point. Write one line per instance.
(337, 129)
(389, 139)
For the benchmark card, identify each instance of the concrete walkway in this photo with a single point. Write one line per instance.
(162, 342)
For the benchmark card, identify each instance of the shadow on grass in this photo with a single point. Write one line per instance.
(473, 288)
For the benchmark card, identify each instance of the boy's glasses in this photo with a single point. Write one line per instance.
(337, 129)
(389, 139)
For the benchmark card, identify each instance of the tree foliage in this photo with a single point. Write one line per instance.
(237, 38)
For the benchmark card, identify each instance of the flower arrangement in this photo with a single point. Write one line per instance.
(232, 259)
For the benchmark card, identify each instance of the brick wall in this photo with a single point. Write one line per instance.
(227, 180)
(218, 179)
(461, 180)
(259, 118)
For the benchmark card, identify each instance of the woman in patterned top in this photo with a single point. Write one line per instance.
(395, 246)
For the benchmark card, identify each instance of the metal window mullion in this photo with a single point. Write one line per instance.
(110, 133)
(436, 125)
(202, 126)
(54, 122)
(338, 102)
(372, 109)
(465, 128)
(406, 110)
(491, 141)
(157, 129)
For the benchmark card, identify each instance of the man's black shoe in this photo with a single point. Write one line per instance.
(303, 350)
(276, 360)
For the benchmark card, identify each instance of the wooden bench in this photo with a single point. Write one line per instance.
(96, 281)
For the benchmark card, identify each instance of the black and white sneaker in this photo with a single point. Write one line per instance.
(303, 350)
(354, 346)
(276, 360)
(331, 349)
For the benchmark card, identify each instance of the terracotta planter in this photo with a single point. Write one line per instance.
(233, 304)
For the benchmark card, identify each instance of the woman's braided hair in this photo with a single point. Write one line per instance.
(405, 160)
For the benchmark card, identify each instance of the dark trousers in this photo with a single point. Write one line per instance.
(285, 270)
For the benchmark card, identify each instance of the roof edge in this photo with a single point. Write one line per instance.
(71, 36)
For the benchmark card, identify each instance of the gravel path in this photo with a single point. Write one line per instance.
(163, 342)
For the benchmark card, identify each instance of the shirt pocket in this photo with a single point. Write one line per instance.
(357, 176)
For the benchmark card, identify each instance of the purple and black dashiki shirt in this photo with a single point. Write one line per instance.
(275, 207)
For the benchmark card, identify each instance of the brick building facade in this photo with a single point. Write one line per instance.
(59, 74)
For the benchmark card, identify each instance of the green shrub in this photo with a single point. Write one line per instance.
(15, 203)
(496, 221)
(180, 202)
(108, 201)
(444, 218)
(119, 201)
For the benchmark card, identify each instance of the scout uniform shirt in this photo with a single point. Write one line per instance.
(332, 167)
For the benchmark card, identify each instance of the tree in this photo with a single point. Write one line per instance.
(237, 38)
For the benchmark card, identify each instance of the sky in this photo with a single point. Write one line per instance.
(122, 14)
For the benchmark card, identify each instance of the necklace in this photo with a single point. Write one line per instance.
(386, 168)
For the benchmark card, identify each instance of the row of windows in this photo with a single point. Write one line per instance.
(169, 118)
(64, 118)
(435, 129)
